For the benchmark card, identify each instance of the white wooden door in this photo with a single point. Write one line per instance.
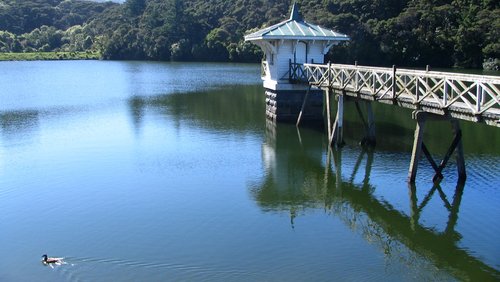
(301, 52)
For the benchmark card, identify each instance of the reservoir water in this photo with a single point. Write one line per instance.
(143, 171)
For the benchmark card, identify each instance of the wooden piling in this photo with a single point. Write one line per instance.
(419, 148)
(328, 111)
(409, 89)
(304, 103)
(340, 124)
(460, 152)
(417, 145)
(369, 124)
(337, 134)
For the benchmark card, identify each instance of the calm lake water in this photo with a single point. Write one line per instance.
(141, 171)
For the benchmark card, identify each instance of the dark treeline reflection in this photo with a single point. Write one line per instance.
(395, 130)
(19, 125)
(300, 174)
(241, 108)
(236, 109)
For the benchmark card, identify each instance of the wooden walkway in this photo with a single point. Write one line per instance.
(469, 97)
(432, 95)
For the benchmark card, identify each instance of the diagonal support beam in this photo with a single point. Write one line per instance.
(434, 165)
(368, 124)
(304, 103)
(419, 148)
(458, 139)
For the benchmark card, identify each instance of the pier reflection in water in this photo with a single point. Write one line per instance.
(187, 176)
(304, 173)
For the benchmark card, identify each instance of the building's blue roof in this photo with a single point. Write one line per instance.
(296, 28)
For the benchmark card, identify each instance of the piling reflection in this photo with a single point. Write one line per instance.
(453, 207)
(304, 173)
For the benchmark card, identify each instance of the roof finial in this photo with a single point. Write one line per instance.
(295, 14)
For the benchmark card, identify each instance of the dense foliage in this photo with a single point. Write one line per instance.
(47, 25)
(463, 33)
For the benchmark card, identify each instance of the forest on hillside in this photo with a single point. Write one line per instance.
(413, 33)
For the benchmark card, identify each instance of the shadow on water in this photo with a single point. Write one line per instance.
(19, 125)
(303, 173)
(233, 108)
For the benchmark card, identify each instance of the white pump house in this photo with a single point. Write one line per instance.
(293, 41)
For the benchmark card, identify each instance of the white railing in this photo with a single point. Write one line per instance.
(475, 96)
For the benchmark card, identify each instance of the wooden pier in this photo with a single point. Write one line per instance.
(432, 96)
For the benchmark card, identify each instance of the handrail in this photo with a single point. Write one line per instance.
(465, 96)
(297, 73)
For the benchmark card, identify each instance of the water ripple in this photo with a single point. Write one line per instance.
(104, 269)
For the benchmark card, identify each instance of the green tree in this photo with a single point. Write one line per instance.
(442, 33)
(135, 7)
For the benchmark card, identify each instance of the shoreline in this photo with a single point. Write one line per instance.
(47, 56)
(95, 55)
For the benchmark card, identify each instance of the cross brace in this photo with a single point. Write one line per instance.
(419, 148)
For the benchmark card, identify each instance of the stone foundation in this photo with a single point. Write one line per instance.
(285, 105)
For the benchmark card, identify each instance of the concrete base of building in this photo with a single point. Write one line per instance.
(285, 105)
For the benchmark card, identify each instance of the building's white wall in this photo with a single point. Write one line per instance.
(268, 65)
(315, 53)
(278, 63)
(285, 53)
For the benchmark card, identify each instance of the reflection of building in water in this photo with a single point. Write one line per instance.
(288, 163)
(137, 110)
(301, 175)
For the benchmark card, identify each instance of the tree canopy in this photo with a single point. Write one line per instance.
(463, 33)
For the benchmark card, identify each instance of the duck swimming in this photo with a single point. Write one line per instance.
(51, 261)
